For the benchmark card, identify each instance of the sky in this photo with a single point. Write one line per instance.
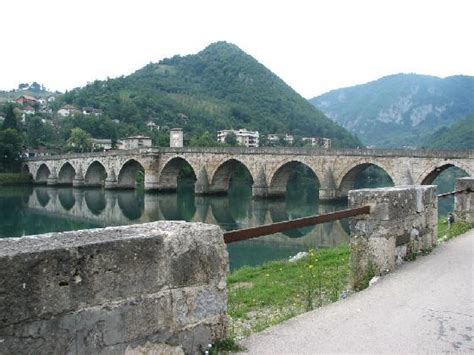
(313, 45)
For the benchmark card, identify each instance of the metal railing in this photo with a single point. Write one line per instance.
(452, 193)
(249, 233)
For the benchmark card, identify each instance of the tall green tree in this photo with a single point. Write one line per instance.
(10, 149)
(10, 119)
(79, 141)
(231, 139)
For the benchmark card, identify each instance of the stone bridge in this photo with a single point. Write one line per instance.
(335, 171)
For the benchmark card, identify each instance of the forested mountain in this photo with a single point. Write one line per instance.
(400, 110)
(218, 88)
(459, 136)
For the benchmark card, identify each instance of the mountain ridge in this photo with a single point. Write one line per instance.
(220, 87)
(398, 109)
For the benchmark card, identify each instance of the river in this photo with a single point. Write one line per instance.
(36, 210)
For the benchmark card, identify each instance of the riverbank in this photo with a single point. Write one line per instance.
(263, 296)
(259, 297)
(14, 179)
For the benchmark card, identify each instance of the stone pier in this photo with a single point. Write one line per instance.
(156, 287)
(403, 221)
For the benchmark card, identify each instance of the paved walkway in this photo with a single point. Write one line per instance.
(426, 306)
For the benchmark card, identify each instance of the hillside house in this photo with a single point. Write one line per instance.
(275, 138)
(27, 100)
(135, 142)
(87, 111)
(28, 110)
(318, 142)
(244, 137)
(68, 110)
(101, 144)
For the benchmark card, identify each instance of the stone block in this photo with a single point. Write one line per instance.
(106, 290)
(464, 202)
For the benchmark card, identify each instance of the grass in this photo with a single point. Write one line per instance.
(446, 233)
(14, 179)
(259, 297)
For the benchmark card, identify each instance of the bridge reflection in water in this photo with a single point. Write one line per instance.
(99, 207)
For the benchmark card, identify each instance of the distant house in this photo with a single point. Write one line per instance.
(27, 100)
(275, 138)
(51, 98)
(2, 116)
(244, 137)
(152, 126)
(318, 142)
(68, 110)
(28, 110)
(135, 142)
(91, 111)
(105, 144)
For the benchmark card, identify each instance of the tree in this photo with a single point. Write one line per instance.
(10, 148)
(79, 141)
(204, 140)
(10, 119)
(231, 139)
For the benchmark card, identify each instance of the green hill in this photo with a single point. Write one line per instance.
(459, 136)
(218, 88)
(399, 110)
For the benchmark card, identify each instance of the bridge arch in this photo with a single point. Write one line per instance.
(66, 198)
(42, 174)
(431, 173)
(95, 175)
(127, 175)
(220, 180)
(66, 174)
(348, 177)
(169, 175)
(281, 176)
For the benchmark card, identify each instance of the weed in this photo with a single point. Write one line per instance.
(223, 346)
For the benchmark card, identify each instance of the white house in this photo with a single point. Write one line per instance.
(135, 142)
(68, 110)
(244, 137)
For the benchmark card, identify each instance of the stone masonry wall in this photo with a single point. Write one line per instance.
(464, 202)
(157, 286)
(402, 222)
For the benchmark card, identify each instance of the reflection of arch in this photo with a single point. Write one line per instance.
(42, 174)
(169, 176)
(66, 198)
(128, 173)
(95, 175)
(66, 174)
(429, 176)
(131, 204)
(348, 179)
(280, 178)
(95, 201)
(221, 212)
(279, 212)
(221, 179)
(42, 196)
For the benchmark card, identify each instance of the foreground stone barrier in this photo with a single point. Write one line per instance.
(464, 202)
(403, 221)
(151, 287)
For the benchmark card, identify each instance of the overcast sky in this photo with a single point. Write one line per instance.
(314, 46)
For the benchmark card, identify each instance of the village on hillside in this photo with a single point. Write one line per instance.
(28, 106)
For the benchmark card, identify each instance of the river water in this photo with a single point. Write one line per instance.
(36, 210)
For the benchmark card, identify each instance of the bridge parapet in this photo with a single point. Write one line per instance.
(158, 285)
(422, 153)
(403, 221)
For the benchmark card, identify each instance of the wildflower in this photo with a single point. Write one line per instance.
(310, 266)
(267, 275)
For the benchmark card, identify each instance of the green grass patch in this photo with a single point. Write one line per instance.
(14, 179)
(457, 228)
(259, 297)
